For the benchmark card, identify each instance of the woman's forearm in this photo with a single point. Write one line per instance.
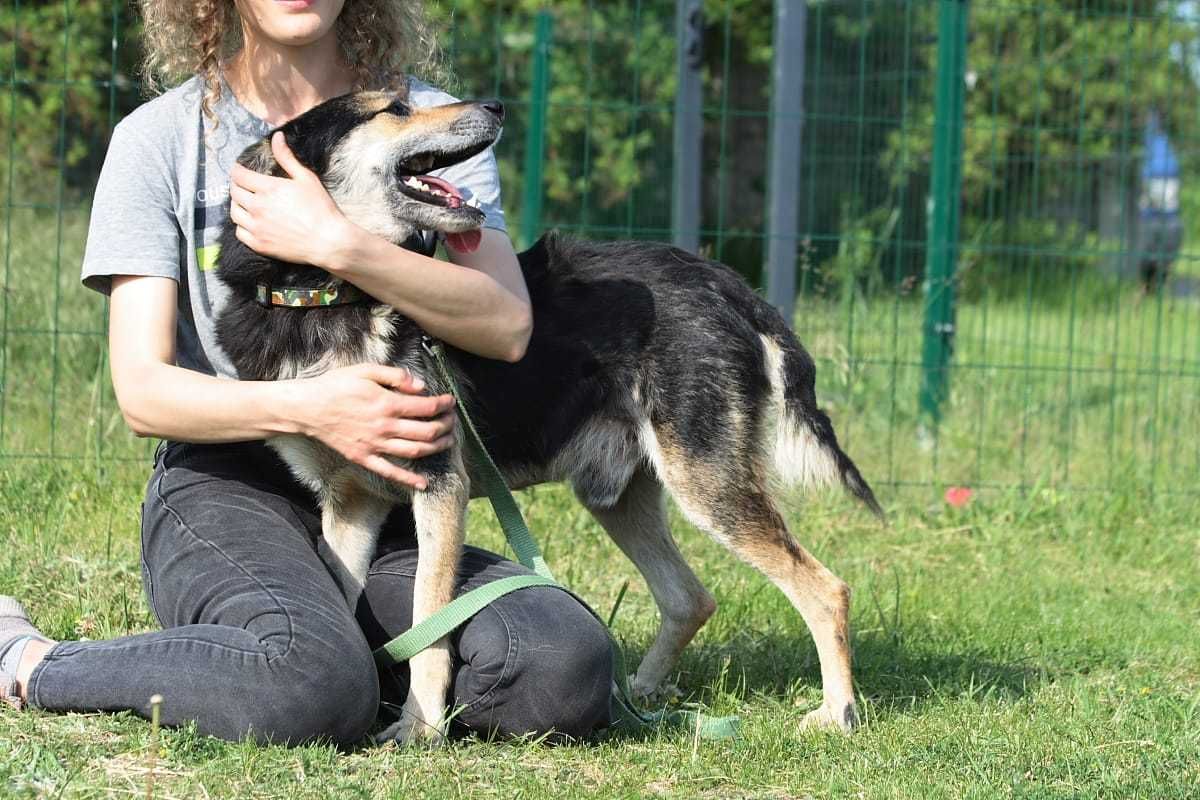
(371, 414)
(160, 399)
(171, 402)
(464, 306)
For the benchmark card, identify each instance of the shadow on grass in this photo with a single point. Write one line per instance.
(893, 673)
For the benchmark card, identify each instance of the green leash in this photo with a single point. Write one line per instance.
(462, 608)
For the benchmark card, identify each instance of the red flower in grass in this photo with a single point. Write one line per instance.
(958, 496)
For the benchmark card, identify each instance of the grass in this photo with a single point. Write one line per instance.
(1038, 643)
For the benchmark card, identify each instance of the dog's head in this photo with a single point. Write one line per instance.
(372, 151)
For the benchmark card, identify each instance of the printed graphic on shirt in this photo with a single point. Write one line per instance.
(218, 151)
(211, 212)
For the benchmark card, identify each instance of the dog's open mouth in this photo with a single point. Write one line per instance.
(436, 191)
(415, 184)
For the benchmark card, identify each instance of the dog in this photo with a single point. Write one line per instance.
(650, 371)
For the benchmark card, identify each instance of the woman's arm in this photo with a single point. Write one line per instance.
(365, 412)
(479, 303)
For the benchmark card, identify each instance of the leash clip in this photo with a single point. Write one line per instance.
(430, 345)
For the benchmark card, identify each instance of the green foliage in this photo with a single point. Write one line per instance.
(1056, 93)
(612, 84)
(1189, 212)
(56, 110)
(1027, 258)
(1058, 88)
(856, 266)
(1051, 83)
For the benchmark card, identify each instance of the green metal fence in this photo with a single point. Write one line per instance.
(969, 207)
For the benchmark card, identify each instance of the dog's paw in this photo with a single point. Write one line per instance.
(656, 693)
(412, 729)
(843, 719)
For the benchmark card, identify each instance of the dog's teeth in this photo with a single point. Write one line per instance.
(473, 202)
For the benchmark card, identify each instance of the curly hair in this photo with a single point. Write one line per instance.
(381, 40)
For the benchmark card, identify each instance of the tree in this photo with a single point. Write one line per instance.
(64, 86)
(1058, 92)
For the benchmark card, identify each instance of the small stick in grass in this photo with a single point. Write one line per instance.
(155, 711)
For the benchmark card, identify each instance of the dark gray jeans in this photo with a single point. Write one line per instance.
(257, 640)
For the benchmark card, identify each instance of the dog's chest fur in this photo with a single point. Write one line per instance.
(343, 347)
(282, 343)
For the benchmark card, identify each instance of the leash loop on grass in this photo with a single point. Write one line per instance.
(462, 608)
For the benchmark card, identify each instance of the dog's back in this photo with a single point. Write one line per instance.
(634, 341)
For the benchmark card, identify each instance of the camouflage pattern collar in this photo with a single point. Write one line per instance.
(292, 297)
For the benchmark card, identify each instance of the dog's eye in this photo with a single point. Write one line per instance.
(399, 109)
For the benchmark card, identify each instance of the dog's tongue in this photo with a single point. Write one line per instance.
(466, 242)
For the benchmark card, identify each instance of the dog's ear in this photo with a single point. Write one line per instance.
(259, 158)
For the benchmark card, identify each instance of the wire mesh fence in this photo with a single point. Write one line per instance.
(1059, 367)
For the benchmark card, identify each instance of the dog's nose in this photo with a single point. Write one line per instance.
(496, 107)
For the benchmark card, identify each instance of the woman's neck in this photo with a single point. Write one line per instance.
(277, 82)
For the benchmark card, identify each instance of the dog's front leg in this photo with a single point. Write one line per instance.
(440, 515)
(350, 522)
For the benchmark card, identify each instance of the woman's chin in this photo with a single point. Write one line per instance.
(294, 23)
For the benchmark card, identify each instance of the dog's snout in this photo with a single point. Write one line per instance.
(495, 107)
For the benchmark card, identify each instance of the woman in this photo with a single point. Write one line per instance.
(257, 640)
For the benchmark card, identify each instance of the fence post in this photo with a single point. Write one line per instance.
(783, 166)
(689, 124)
(535, 134)
(945, 195)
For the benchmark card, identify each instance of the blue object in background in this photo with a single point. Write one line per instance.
(1160, 173)
(1160, 230)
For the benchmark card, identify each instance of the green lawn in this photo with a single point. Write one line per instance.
(1030, 645)
(1040, 642)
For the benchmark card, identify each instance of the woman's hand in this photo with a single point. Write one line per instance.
(293, 219)
(367, 412)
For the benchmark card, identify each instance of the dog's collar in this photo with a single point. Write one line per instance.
(293, 297)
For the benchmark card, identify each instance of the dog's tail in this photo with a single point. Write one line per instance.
(804, 447)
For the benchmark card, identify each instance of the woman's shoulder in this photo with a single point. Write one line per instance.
(423, 95)
(160, 122)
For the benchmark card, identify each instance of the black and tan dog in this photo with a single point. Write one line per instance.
(650, 371)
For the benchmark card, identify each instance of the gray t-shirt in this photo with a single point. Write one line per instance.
(160, 203)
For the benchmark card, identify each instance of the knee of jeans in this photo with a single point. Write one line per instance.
(558, 683)
(575, 687)
(333, 696)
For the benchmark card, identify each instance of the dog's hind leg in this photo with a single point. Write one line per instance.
(762, 540)
(638, 524)
(727, 497)
(440, 515)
